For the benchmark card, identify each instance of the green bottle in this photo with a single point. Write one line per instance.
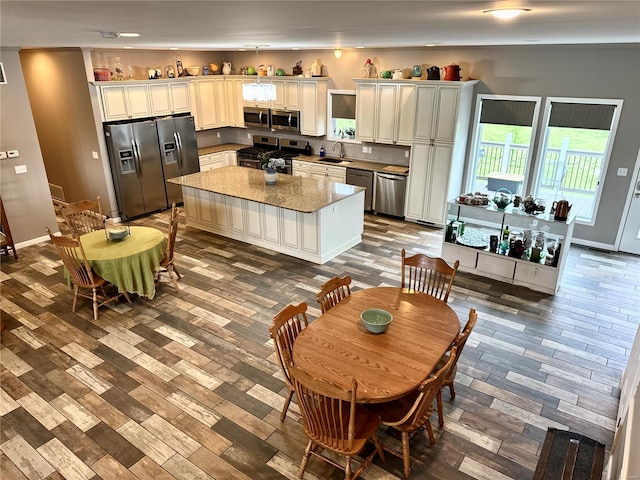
(505, 234)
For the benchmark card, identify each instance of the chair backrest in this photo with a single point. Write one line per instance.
(421, 410)
(84, 216)
(286, 326)
(328, 411)
(333, 292)
(74, 259)
(460, 342)
(429, 275)
(173, 230)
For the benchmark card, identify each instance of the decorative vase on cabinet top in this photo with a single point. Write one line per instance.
(416, 72)
(226, 68)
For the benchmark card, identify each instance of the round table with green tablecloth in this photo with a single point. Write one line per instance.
(129, 263)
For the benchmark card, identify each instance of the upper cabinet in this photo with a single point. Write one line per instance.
(313, 106)
(140, 99)
(385, 112)
(437, 112)
(287, 94)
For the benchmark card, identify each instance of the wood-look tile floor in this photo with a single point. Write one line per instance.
(186, 385)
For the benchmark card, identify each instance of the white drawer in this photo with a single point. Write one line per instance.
(466, 256)
(496, 265)
(536, 274)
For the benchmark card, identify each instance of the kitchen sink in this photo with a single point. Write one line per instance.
(331, 160)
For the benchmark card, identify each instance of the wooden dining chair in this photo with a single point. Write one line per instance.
(459, 343)
(333, 421)
(411, 412)
(286, 326)
(83, 217)
(333, 291)
(433, 276)
(167, 265)
(82, 276)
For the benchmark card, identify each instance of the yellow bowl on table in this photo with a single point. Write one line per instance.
(376, 320)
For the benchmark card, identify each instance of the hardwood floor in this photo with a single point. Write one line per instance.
(186, 385)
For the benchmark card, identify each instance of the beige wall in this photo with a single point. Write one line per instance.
(64, 119)
(26, 196)
(563, 71)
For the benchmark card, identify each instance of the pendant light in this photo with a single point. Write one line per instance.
(258, 91)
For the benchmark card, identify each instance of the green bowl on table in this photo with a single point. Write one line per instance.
(376, 320)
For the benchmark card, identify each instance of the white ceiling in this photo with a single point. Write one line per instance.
(312, 24)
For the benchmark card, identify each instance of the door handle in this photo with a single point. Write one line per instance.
(136, 149)
(178, 139)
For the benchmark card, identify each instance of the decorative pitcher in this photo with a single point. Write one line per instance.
(433, 73)
(452, 72)
(226, 68)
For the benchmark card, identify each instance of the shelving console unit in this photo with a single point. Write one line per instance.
(487, 220)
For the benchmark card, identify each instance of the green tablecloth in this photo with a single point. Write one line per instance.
(130, 263)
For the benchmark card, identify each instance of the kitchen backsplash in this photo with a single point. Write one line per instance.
(387, 154)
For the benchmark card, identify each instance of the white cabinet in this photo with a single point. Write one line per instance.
(125, 101)
(287, 94)
(138, 99)
(427, 191)
(217, 160)
(442, 115)
(319, 172)
(476, 257)
(210, 107)
(169, 98)
(233, 94)
(385, 112)
(313, 106)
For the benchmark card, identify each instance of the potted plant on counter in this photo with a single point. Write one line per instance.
(270, 166)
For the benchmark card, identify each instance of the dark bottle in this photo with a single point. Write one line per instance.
(307, 149)
(322, 151)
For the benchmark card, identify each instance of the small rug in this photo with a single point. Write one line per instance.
(569, 456)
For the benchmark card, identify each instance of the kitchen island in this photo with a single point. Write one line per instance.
(311, 219)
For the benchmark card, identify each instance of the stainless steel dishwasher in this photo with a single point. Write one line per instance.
(390, 190)
(362, 178)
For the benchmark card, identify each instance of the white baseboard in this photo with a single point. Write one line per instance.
(588, 243)
(33, 241)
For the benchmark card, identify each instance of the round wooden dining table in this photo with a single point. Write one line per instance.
(336, 347)
(129, 263)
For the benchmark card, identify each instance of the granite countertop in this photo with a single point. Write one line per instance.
(361, 164)
(223, 147)
(293, 193)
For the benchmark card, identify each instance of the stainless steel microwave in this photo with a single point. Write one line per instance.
(257, 117)
(285, 120)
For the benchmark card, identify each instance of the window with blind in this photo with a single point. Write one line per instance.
(574, 152)
(341, 118)
(502, 143)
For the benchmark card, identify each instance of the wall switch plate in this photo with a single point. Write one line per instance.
(249, 136)
(622, 172)
(406, 154)
(364, 149)
(20, 169)
(3, 155)
(95, 155)
(218, 134)
(369, 150)
(13, 153)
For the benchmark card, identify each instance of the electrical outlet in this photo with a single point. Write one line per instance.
(20, 169)
(369, 150)
(364, 149)
(406, 154)
(13, 153)
(622, 172)
(95, 155)
(3, 155)
(249, 136)
(218, 134)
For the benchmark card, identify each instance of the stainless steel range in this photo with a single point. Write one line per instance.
(250, 157)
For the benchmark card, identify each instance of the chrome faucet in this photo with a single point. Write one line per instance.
(341, 148)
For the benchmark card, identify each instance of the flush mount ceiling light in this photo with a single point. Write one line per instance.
(119, 34)
(258, 91)
(337, 52)
(506, 13)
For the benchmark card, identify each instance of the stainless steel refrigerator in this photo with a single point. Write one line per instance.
(143, 155)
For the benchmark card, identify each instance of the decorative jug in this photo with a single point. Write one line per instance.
(452, 72)
(416, 72)
(561, 210)
(226, 68)
(433, 73)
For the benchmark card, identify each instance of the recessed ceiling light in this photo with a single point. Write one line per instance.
(242, 49)
(360, 46)
(173, 48)
(295, 48)
(128, 34)
(506, 13)
(127, 48)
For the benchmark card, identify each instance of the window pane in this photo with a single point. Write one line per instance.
(572, 165)
(502, 143)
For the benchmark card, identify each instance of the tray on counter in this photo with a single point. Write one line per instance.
(473, 238)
